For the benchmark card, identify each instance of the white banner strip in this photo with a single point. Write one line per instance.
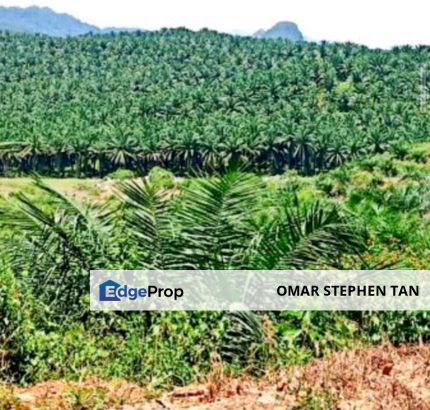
(260, 290)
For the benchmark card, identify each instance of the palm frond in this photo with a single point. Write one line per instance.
(149, 223)
(303, 238)
(213, 217)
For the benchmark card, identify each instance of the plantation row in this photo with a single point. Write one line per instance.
(87, 106)
(271, 156)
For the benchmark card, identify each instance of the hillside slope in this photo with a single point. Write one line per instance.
(181, 99)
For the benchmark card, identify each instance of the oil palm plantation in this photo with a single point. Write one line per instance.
(188, 100)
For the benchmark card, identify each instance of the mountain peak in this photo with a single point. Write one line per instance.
(284, 29)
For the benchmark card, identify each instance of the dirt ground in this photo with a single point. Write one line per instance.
(364, 379)
(79, 189)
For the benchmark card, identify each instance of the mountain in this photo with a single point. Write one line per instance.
(43, 20)
(285, 29)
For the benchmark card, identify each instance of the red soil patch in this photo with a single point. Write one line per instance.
(363, 379)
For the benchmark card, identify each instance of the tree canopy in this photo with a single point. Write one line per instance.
(186, 100)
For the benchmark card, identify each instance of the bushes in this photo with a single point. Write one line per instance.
(175, 348)
(16, 325)
(398, 327)
(160, 178)
(121, 174)
(419, 153)
(327, 185)
(384, 163)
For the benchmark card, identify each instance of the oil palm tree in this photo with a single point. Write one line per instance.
(212, 229)
(121, 150)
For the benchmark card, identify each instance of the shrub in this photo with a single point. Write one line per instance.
(171, 348)
(161, 178)
(15, 324)
(419, 153)
(326, 185)
(121, 174)
(400, 149)
(399, 327)
(377, 179)
(368, 164)
(387, 165)
(361, 178)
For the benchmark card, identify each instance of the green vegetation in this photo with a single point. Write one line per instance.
(289, 222)
(197, 101)
(255, 155)
(50, 331)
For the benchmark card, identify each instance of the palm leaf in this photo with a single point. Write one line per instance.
(149, 223)
(303, 238)
(213, 219)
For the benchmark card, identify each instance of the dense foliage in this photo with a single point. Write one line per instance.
(186, 102)
(189, 101)
(49, 243)
(207, 227)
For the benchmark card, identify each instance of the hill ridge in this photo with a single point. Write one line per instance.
(44, 20)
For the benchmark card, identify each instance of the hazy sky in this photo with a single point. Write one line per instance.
(380, 23)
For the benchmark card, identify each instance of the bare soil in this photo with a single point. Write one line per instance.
(376, 378)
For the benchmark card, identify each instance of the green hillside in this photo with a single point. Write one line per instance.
(176, 98)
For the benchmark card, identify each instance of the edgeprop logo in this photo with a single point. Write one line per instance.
(111, 291)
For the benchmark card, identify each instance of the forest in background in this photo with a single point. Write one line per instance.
(189, 101)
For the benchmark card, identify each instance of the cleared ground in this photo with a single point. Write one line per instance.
(81, 189)
(364, 379)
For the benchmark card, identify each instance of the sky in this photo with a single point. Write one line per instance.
(376, 23)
